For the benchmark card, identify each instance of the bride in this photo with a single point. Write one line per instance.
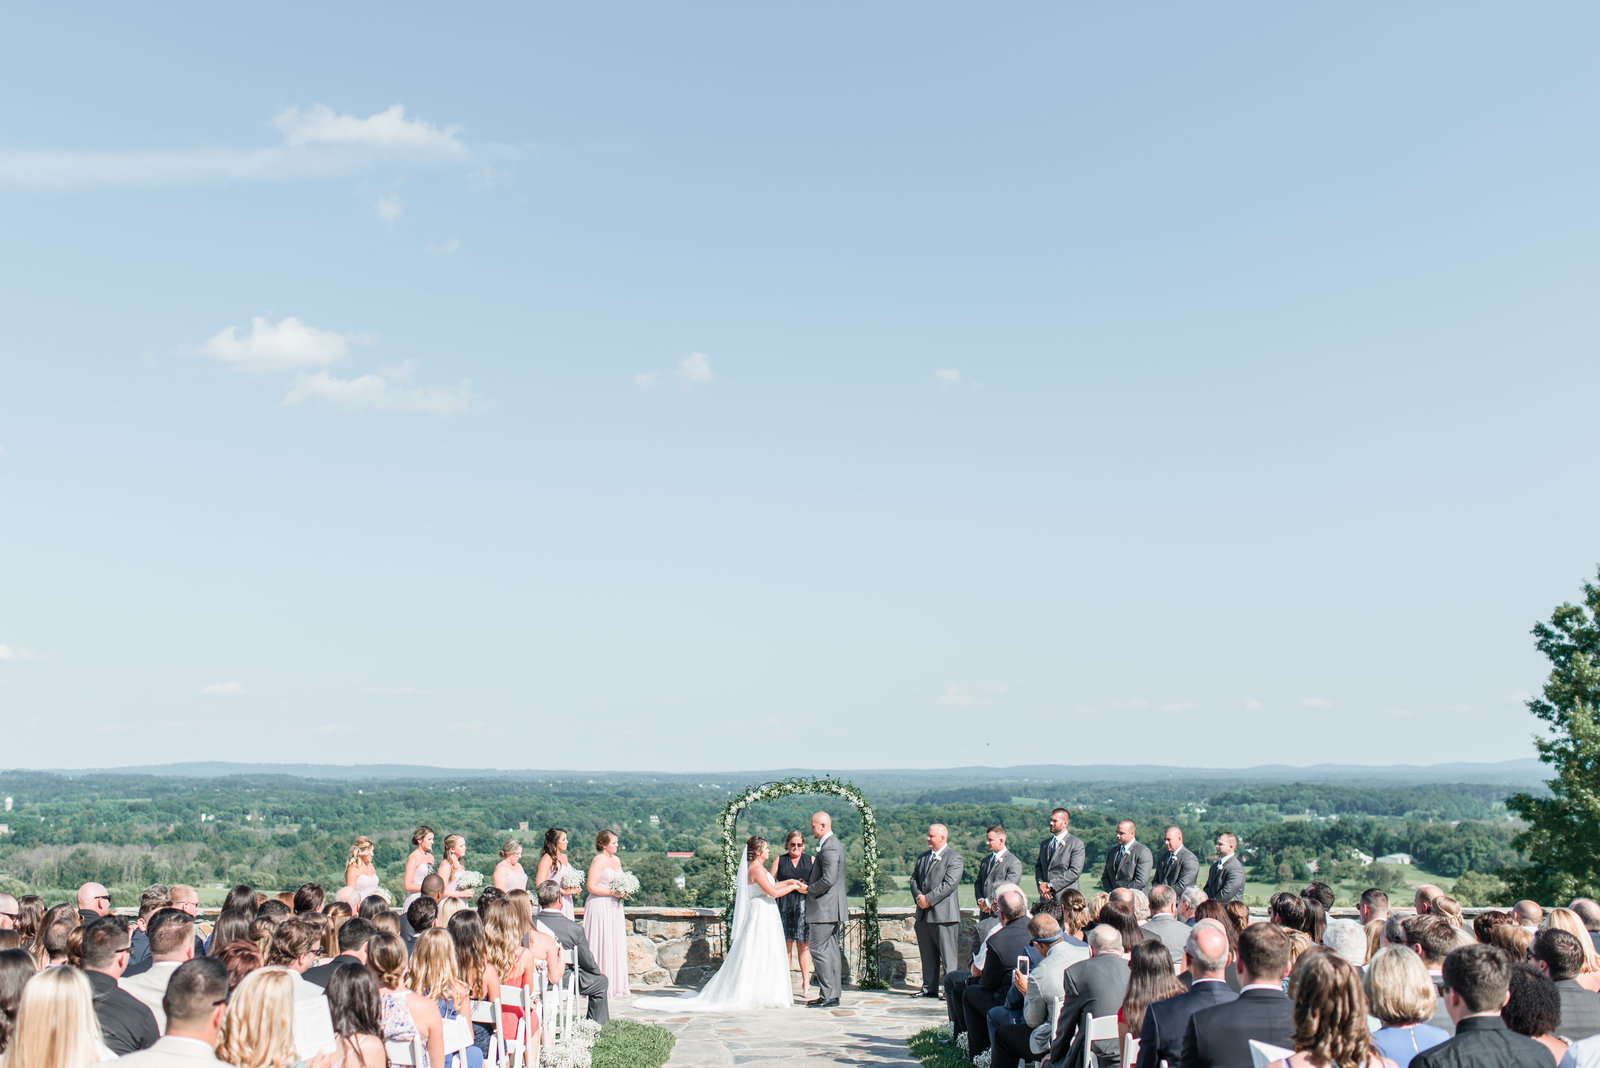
(756, 973)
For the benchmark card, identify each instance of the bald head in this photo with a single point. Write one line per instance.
(821, 824)
(1206, 951)
(938, 835)
(8, 913)
(1104, 938)
(93, 897)
(1123, 895)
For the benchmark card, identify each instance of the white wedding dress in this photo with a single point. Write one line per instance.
(756, 973)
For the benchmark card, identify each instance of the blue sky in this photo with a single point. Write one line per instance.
(712, 387)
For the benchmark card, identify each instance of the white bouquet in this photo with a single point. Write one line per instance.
(469, 880)
(625, 883)
(381, 892)
(571, 880)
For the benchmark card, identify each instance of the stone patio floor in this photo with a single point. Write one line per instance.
(869, 1027)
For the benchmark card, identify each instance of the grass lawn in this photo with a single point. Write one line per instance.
(628, 1044)
(930, 1048)
(1347, 893)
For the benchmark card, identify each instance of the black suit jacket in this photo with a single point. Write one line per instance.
(1166, 1022)
(1093, 987)
(1484, 1042)
(324, 972)
(1580, 1011)
(1178, 870)
(125, 1023)
(1000, 959)
(1219, 1037)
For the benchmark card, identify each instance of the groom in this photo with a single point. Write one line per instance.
(826, 910)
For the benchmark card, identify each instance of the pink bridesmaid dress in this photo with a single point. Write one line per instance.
(606, 927)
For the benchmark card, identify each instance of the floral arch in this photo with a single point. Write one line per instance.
(772, 791)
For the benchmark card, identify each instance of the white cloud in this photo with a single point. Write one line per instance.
(287, 345)
(9, 655)
(947, 377)
(389, 208)
(392, 691)
(386, 391)
(443, 248)
(1133, 704)
(954, 696)
(693, 370)
(317, 143)
(1178, 706)
(1316, 702)
(223, 689)
(1253, 705)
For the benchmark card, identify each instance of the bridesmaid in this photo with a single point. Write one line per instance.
(359, 874)
(794, 864)
(553, 866)
(418, 864)
(508, 874)
(604, 924)
(453, 864)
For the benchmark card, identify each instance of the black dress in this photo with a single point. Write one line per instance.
(792, 906)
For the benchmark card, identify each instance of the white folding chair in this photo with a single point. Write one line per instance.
(562, 1009)
(1130, 1051)
(410, 1054)
(487, 1012)
(520, 1049)
(1096, 1029)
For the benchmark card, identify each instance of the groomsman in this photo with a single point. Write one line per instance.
(1176, 866)
(1060, 860)
(934, 881)
(1128, 865)
(1000, 866)
(1225, 883)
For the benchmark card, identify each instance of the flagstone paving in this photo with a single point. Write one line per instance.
(870, 1027)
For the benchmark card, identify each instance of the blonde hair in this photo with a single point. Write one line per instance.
(1399, 989)
(433, 966)
(503, 928)
(1568, 921)
(452, 841)
(511, 848)
(258, 1028)
(56, 1023)
(1447, 909)
(387, 921)
(361, 848)
(448, 908)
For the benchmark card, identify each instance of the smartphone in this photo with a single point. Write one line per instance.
(1022, 964)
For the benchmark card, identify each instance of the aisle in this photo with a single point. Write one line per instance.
(869, 1027)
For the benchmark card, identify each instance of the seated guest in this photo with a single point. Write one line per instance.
(1074, 913)
(1588, 910)
(1151, 978)
(156, 897)
(1164, 926)
(93, 902)
(405, 1015)
(1189, 903)
(1374, 938)
(1374, 905)
(16, 969)
(1423, 900)
(274, 910)
(1205, 959)
(956, 982)
(1094, 987)
(353, 939)
(1289, 911)
(56, 1022)
(992, 970)
(1512, 939)
(420, 916)
(569, 934)
(193, 1004)
(1316, 919)
(1477, 984)
(261, 931)
(514, 948)
(356, 1009)
(1219, 913)
(1432, 939)
(1321, 893)
(1120, 918)
(1239, 913)
(1447, 909)
(1219, 1037)
(1299, 943)
(1401, 996)
(125, 1024)
(372, 905)
(1559, 954)
(295, 945)
(1042, 990)
(1534, 1009)
(232, 926)
(187, 899)
(1569, 921)
(1330, 1017)
(474, 967)
(241, 897)
(388, 921)
(433, 975)
(1487, 920)
(257, 1030)
(1529, 914)
(171, 944)
(1348, 939)
(309, 898)
(433, 890)
(240, 958)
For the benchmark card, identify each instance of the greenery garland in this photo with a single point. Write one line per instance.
(772, 791)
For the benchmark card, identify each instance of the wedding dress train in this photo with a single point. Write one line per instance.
(755, 974)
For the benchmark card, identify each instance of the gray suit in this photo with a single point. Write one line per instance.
(1059, 866)
(1092, 987)
(1226, 881)
(1127, 866)
(826, 912)
(994, 869)
(1170, 932)
(1580, 1011)
(937, 925)
(1178, 870)
(1041, 1005)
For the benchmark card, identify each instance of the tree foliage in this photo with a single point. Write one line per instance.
(1560, 842)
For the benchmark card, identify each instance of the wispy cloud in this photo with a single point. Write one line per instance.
(316, 143)
(443, 248)
(1253, 705)
(693, 370)
(11, 655)
(386, 391)
(270, 348)
(953, 695)
(1178, 706)
(1135, 703)
(392, 691)
(223, 689)
(1316, 702)
(389, 208)
(947, 377)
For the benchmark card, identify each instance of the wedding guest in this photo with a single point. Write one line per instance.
(1477, 984)
(1164, 926)
(1348, 939)
(1560, 919)
(569, 935)
(448, 908)
(1321, 893)
(50, 945)
(504, 930)
(1401, 996)
(553, 867)
(1238, 915)
(1588, 911)
(241, 897)
(1330, 1017)
(404, 1015)
(193, 1005)
(508, 874)
(1042, 990)
(16, 968)
(1484, 923)
(1166, 1023)
(30, 910)
(93, 901)
(171, 945)
(418, 863)
(420, 917)
(795, 863)
(1447, 909)
(257, 1029)
(433, 976)
(360, 875)
(1120, 918)
(604, 920)
(1189, 904)
(992, 971)
(354, 937)
(261, 930)
(240, 958)
(1151, 978)
(452, 866)
(372, 905)
(232, 926)
(155, 897)
(1534, 1009)
(56, 1024)
(309, 898)
(126, 1025)
(1374, 905)
(1529, 914)
(1512, 939)
(1220, 1036)
(275, 910)
(294, 948)
(1074, 913)
(1560, 955)
(1423, 900)
(388, 921)
(473, 966)
(354, 1005)
(1094, 987)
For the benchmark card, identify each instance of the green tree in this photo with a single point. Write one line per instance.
(1563, 851)
(1474, 888)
